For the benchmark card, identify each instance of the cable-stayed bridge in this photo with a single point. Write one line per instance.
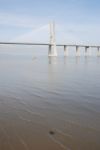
(52, 45)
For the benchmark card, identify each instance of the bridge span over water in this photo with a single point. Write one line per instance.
(52, 51)
(48, 44)
(66, 46)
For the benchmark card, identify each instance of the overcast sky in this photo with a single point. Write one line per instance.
(77, 21)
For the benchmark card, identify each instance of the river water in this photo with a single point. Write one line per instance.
(49, 103)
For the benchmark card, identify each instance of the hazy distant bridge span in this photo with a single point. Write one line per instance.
(53, 46)
(20, 43)
(47, 44)
(60, 45)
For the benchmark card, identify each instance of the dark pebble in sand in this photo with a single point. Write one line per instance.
(51, 132)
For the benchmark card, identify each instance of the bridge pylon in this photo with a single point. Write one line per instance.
(52, 47)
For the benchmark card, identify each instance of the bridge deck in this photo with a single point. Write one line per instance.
(46, 44)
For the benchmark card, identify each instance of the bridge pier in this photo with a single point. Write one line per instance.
(86, 50)
(52, 50)
(52, 46)
(98, 51)
(65, 50)
(77, 51)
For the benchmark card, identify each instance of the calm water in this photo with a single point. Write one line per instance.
(39, 96)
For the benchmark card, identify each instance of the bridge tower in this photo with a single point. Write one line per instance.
(52, 46)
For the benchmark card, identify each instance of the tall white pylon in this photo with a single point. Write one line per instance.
(52, 46)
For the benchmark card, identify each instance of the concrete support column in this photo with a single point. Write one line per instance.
(65, 50)
(86, 50)
(90, 51)
(52, 50)
(49, 51)
(52, 46)
(98, 51)
(77, 51)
